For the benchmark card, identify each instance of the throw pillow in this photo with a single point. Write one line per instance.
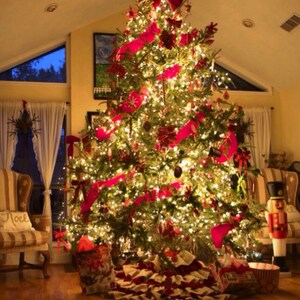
(293, 215)
(15, 221)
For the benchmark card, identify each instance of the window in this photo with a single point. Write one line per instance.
(238, 83)
(48, 67)
(25, 162)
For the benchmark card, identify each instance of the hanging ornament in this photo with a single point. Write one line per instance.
(177, 171)
(214, 152)
(147, 126)
(25, 124)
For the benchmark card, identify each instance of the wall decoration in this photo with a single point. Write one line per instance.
(91, 117)
(104, 44)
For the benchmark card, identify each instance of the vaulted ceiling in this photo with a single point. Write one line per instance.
(264, 53)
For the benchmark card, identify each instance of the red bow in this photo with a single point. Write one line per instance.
(80, 184)
(59, 237)
(71, 139)
(242, 158)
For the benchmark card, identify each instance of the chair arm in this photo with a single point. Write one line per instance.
(41, 222)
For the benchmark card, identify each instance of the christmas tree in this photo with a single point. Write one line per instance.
(163, 170)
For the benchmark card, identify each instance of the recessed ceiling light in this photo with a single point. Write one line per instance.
(248, 23)
(51, 7)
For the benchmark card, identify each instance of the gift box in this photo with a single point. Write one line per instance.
(95, 268)
(267, 276)
(234, 276)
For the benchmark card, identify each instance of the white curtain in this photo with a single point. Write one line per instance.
(46, 142)
(260, 142)
(8, 141)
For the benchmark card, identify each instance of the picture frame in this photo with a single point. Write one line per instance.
(104, 45)
(91, 116)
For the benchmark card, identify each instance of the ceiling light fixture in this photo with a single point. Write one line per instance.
(248, 23)
(51, 7)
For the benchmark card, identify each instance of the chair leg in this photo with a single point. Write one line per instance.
(46, 255)
(21, 264)
(44, 267)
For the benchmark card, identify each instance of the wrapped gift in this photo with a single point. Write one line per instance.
(95, 267)
(234, 276)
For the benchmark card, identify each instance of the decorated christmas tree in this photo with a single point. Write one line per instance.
(162, 170)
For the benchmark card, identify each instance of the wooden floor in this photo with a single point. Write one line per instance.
(64, 285)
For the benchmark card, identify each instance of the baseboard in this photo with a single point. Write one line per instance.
(56, 257)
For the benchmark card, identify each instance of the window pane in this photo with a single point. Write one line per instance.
(25, 162)
(49, 67)
(238, 83)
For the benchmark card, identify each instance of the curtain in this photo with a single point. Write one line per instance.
(46, 142)
(8, 141)
(260, 142)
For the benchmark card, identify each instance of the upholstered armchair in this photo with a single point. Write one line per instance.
(20, 231)
(257, 188)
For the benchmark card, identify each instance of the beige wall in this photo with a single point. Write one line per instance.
(82, 69)
(288, 124)
(79, 90)
(17, 91)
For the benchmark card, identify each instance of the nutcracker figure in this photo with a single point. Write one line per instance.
(277, 220)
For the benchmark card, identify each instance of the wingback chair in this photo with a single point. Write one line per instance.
(257, 187)
(20, 231)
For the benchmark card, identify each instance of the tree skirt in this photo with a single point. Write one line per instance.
(189, 279)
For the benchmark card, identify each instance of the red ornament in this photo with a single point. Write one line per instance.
(167, 39)
(175, 3)
(202, 62)
(174, 23)
(132, 103)
(209, 32)
(167, 229)
(211, 29)
(131, 14)
(166, 135)
(156, 3)
(187, 38)
(177, 171)
(225, 95)
(103, 134)
(117, 69)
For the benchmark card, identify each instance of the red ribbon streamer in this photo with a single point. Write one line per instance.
(164, 192)
(96, 189)
(218, 232)
(147, 37)
(190, 128)
(228, 148)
